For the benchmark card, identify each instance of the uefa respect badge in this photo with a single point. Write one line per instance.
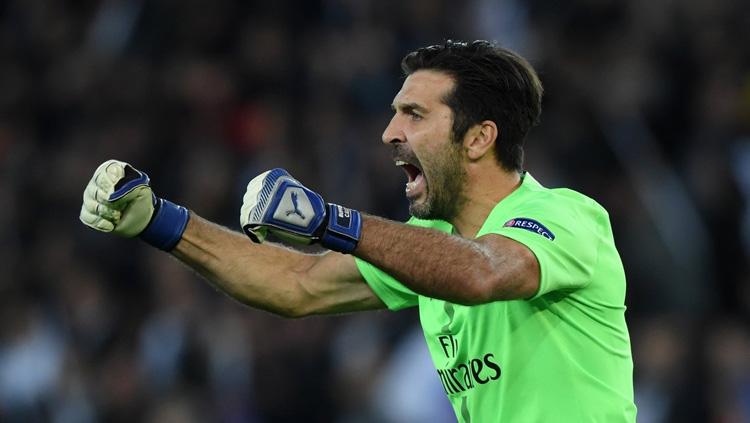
(530, 225)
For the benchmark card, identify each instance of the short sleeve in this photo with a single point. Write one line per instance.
(565, 242)
(394, 294)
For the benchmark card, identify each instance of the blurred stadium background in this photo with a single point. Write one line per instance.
(647, 109)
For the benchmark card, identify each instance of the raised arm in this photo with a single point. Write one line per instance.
(118, 199)
(438, 265)
(271, 277)
(429, 262)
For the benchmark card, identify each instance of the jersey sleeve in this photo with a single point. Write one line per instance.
(565, 241)
(393, 293)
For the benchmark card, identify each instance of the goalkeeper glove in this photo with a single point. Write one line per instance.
(276, 202)
(118, 199)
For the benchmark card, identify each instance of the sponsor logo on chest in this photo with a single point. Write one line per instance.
(463, 376)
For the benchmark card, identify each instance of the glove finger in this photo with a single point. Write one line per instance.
(257, 189)
(115, 170)
(101, 209)
(101, 180)
(103, 190)
(246, 211)
(95, 193)
(95, 221)
(109, 213)
(108, 173)
(113, 173)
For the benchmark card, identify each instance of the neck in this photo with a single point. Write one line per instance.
(484, 188)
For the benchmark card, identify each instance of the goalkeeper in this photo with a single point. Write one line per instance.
(520, 287)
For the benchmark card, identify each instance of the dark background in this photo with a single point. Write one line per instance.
(647, 110)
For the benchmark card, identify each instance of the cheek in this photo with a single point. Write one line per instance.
(430, 139)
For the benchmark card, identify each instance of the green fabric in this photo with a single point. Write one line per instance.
(561, 356)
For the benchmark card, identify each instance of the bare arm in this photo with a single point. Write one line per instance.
(271, 277)
(438, 265)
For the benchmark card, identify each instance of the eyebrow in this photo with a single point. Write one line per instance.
(408, 107)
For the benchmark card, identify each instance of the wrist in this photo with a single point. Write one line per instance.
(167, 225)
(343, 228)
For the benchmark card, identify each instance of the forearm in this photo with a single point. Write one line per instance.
(118, 199)
(444, 266)
(261, 276)
(429, 262)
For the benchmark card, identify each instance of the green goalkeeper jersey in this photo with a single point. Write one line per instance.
(562, 355)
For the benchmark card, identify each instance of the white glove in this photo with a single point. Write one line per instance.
(119, 199)
(113, 203)
(277, 203)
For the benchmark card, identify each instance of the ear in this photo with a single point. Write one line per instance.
(480, 140)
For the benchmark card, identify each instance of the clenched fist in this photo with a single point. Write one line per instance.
(119, 199)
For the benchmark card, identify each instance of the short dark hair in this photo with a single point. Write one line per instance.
(490, 83)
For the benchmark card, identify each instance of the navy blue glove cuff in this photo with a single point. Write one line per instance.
(167, 225)
(343, 229)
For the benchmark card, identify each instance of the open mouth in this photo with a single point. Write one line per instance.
(416, 182)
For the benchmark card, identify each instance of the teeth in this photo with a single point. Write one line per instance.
(413, 184)
(401, 163)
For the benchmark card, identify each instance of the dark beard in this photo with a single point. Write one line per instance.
(445, 186)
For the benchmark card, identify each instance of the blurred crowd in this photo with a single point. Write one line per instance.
(647, 110)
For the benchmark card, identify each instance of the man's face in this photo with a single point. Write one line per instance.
(420, 134)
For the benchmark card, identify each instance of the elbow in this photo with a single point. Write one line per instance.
(294, 308)
(288, 306)
(289, 313)
(477, 289)
(286, 311)
(514, 280)
(298, 303)
(483, 293)
(485, 288)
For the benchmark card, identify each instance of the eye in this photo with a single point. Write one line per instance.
(414, 115)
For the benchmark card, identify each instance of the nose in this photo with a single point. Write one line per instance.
(393, 133)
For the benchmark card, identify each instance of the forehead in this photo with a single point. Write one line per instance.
(425, 87)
